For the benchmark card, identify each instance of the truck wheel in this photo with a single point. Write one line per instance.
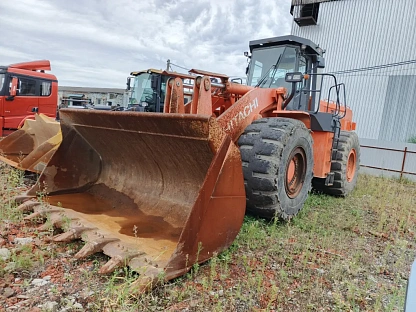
(277, 165)
(345, 165)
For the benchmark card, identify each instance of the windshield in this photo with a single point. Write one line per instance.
(142, 92)
(270, 65)
(148, 91)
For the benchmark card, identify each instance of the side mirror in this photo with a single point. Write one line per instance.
(13, 89)
(320, 62)
(294, 77)
(128, 83)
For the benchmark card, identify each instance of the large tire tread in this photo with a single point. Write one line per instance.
(263, 145)
(341, 187)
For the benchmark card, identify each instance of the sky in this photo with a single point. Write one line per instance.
(97, 43)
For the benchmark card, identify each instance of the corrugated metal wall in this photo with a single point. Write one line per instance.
(297, 2)
(364, 33)
(399, 114)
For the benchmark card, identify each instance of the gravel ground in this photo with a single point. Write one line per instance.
(43, 276)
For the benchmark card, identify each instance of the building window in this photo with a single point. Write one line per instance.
(98, 101)
(306, 15)
(45, 88)
(27, 87)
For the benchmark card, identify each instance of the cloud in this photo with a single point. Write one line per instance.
(98, 43)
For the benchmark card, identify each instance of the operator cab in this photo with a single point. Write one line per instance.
(271, 59)
(147, 90)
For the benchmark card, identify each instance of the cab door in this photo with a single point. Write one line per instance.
(25, 103)
(48, 97)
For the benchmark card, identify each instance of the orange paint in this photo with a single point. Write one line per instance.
(322, 149)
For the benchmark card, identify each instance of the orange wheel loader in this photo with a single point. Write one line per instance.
(31, 146)
(160, 192)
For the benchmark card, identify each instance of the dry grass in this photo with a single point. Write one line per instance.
(338, 254)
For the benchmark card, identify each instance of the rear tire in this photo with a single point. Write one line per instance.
(345, 165)
(277, 162)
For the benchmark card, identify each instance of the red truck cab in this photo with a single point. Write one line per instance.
(25, 89)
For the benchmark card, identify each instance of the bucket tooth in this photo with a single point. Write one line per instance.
(117, 261)
(55, 219)
(93, 247)
(41, 213)
(35, 215)
(20, 199)
(72, 234)
(28, 205)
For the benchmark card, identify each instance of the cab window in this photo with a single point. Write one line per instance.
(26, 87)
(45, 88)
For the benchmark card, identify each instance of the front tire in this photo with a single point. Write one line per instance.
(277, 166)
(345, 165)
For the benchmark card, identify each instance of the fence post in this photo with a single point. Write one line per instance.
(403, 162)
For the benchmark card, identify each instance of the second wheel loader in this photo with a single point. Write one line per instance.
(31, 146)
(160, 192)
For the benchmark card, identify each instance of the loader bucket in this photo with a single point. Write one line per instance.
(31, 147)
(156, 192)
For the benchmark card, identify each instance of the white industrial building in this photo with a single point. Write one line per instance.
(371, 47)
(79, 96)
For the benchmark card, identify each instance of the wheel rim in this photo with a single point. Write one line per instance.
(351, 165)
(295, 172)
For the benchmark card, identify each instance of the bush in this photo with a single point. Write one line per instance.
(412, 139)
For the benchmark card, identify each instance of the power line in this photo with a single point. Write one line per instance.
(179, 66)
(374, 67)
(375, 74)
